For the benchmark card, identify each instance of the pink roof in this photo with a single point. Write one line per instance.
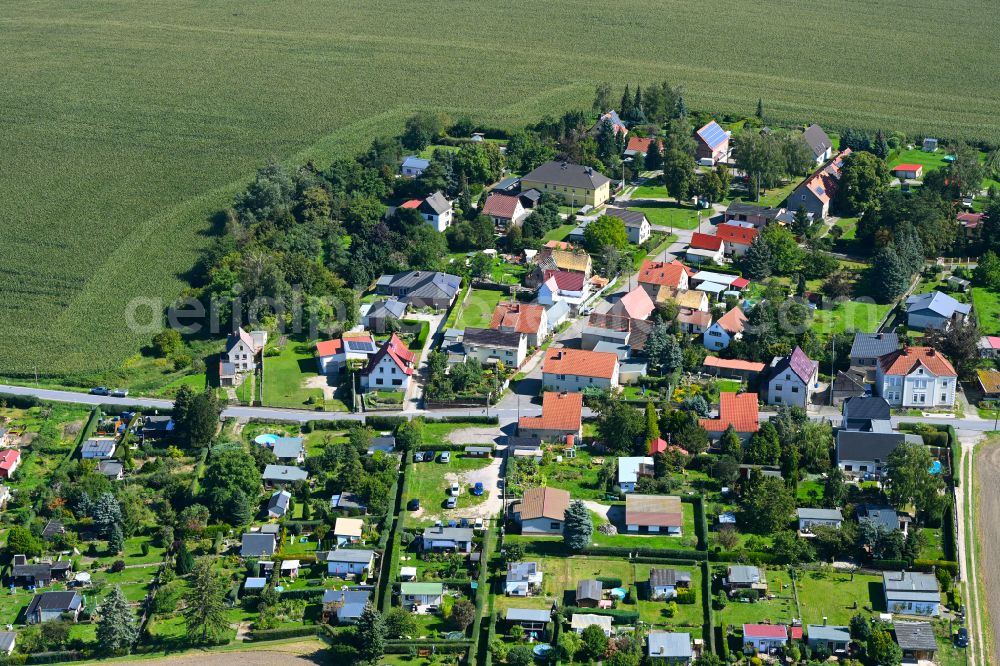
(740, 283)
(412, 203)
(994, 341)
(908, 167)
(732, 364)
(9, 458)
(566, 280)
(637, 304)
(766, 631)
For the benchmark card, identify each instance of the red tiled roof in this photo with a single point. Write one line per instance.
(560, 411)
(9, 458)
(732, 364)
(659, 445)
(660, 273)
(740, 283)
(580, 362)
(641, 144)
(700, 241)
(501, 205)
(732, 233)
(544, 502)
(732, 321)
(971, 220)
(397, 351)
(412, 203)
(329, 347)
(904, 361)
(740, 411)
(566, 280)
(519, 317)
(697, 317)
(765, 631)
(823, 183)
(559, 245)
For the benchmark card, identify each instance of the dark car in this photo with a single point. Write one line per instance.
(413, 504)
(100, 390)
(962, 638)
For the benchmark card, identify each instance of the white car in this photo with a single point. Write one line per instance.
(454, 490)
(478, 525)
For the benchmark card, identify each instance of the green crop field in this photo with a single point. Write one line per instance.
(128, 125)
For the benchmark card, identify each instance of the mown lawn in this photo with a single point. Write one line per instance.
(285, 374)
(650, 191)
(671, 214)
(781, 609)
(833, 595)
(428, 482)
(559, 233)
(478, 309)
(987, 305)
(849, 316)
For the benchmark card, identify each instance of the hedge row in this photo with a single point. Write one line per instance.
(278, 634)
(481, 420)
(304, 593)
(708, 630)
(700, 522)
(928, 565)
(440, 647)
(447, 446)
(617, 616)
(890, 565)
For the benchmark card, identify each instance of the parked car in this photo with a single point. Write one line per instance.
(451, 503)
(478, 524)
(445, 457)
(478, 489)
(119, 393)
(100, 390)
(413, 504)
(418, 456)
(962, 638)
(454, 490)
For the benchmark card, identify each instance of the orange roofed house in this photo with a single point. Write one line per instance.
(522, 318)
(735, 238)
(729, 327)
(577, 369)
(816, 192)
(672, 274)
(704, 247)
(737, 410)
(390, 368)
(916, 377)
(562, 417)
(542, 510)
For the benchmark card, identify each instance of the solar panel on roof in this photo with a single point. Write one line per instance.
(712, 134)
(359, 345)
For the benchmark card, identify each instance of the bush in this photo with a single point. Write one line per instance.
(278, 634)
(609, 583)
(686, 596)
(118, 565)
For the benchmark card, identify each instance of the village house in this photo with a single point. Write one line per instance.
(886, 516)
(523, 579)
(704, 247)
(712, 144)
(413, 166)
(615, 329)
(738, 410)
(654, 514)
(816, 192)
(636, 224)
(667, 647)
(436, 210)
(379, 314)
(657, 274)
(112, 470)
(765, 637)
(50, 606)
(552, 259)
(421, 289)
(333, 356)
(10, 460)
(344, 562)
(531, 320)
(561, 419)
(458, 539)
(912, 593)
(989, 382)
(793, 379)
(819, 143)
(283, 474)
(638, 146)
(934, 310)
(726, 328)
(809, 518)
(916, 377)
(258, 544)
(242, 355)
(576, 185)
(908, 171)
(630, 469)
(542, 510)
(863, 452)
(736, 239)
(663, 583)
(616, 123)
(635, 304)
(868, 348)
(869, 413)
(390, 368)
(505, 210)
(745, 214)
(562, 287)
(576, 369)
(695, 322)
(491, 347)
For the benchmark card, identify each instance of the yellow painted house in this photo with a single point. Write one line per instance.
(576, 185)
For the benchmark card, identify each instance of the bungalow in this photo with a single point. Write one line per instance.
(577, 369)
(868, 348)
(281, 474)
(765, 637)
(346, 604)
(744, 577)
(111, 470)
(743, 214)
(421, 597)
(695, 322)
(390, 368)
(793, 379)
(277, 505)
(908, 171)
(589, 593)
(505, 210)
(636, 304)
(10, 459)
(860, 452)
(638, 146)
(912, 593)
(819, 143)
(49, 606)
(98, 447)
(735, 239)
(332, 356)
(413, 166)
(523, 579)
(380, 313)
(712, 143)
(739, 411)
(576, 185)
(492, 347)
(934, 310)
(529, 619)
(886, 516)
(732, 368)
(562, 287)
(865, 413)
(348, 530)
(630, 469)
(531, 320)
(704, 247)
(816, 192)
(542, 510)
(636, 224)
(809, 518)
(663, 583)
(655, 513)
(727, 328)
(562, 417)
(458, 539)
(580, 621)
(344, 562)
(659, 273)
(258, 544)
(421, 289)
(832, 639)
(916, 640)
(290, 449)
(668, 647)
(916, 377)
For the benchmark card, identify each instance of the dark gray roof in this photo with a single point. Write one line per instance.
(37, 571)
(531, 196)
(101, 447)
(387, 308)
(589, 589)
(915, 636)
(386, 443)
(867, 409)
(436, 203)
(817, 139)
(867, 446)
(52, 528)
(886, 516)
(55, 601)
(284, 473)
(347, 500)
(661, 577)
(487, 337)
(745, 208)
(110, 468)
(819, 514)
(279, 501)
(507, 184)
(873, 345)
(631, 218)
(939, 303)
(568, 175)
(256, 544)
(424, 284)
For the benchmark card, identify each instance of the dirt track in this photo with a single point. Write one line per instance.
(988, 531)
(303, 653)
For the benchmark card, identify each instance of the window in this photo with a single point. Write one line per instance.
(378, 380)
(779, 387)
(397, 382)
(555, 526)
(848, 468)
(795, 389)
(787, 376)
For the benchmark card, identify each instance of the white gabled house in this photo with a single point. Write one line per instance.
(390, 369)
(916, 377)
